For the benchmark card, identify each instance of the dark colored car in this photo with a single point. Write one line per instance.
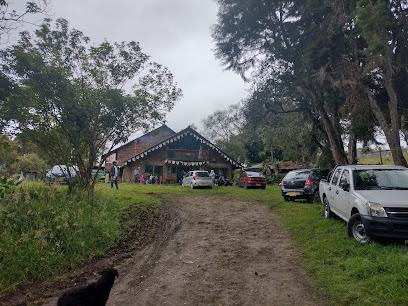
(250, 179)
(303, 184)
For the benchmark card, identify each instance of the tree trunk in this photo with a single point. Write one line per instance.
(391, 130)
(335, 146)
(352, 149)
(271, 154)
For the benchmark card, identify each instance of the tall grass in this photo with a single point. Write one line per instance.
(43, 230)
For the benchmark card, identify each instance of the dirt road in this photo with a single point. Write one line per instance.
(212, 252)
(206, 251)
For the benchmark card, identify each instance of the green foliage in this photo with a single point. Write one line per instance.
(346, 270)
(7, 186)
(224, 128)
(323, 59)
(31, 163)
(375, 20)
(14, 160)
(68, 97)
(12, 17)
(43, 231)
(234, 148)
(8, 156)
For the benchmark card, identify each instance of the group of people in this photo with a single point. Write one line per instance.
(146, 179)
(217, 180)
(114, 173)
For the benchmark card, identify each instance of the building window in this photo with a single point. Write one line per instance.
(158, 171)
(172, 169)
(148, 169)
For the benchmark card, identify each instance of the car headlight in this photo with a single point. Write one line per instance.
(375, 210)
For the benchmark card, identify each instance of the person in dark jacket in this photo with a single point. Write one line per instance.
(113, 175)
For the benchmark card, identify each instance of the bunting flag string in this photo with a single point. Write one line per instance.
(185, 163)
(176, 138)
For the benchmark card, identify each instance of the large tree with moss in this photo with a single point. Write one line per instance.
(310, 45)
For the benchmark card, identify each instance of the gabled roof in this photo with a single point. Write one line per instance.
(179, 136)
(151, 133)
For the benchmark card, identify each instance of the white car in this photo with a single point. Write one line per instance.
(372, 199)
(197, 178)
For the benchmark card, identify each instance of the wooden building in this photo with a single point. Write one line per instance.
(167, 155)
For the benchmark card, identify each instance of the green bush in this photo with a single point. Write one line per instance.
(42, 230)
(275, 178)
(7, 186)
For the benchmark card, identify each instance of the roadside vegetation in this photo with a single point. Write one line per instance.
(43, 233)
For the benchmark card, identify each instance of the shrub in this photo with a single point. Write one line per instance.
(7, 186)
(43, 229)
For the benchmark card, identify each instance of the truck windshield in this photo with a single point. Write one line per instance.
(380, 179)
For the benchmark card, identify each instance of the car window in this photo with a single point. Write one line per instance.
(302, 175)
(202, 174)
(336, 176)
(318, 174)
(345, 178)
(255, 174)
(297, 174)
(380, 179)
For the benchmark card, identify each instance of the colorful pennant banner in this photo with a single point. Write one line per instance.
(142, 155)
(184, 163)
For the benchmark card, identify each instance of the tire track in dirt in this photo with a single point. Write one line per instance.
(214, 252)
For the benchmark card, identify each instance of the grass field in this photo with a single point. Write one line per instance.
(387, 160)
(344, 271)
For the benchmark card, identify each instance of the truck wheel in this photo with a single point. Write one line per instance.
(355, 229)
(326, 209)
(316, 197)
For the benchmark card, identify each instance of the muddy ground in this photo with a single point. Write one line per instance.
(205, 252)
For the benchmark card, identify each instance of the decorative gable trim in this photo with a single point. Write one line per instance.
(177, 137)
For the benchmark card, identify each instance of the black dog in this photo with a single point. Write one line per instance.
(94, 294)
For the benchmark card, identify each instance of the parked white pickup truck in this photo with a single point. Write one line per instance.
(372, 199)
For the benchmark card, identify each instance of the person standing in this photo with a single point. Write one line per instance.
(137, 173)
(212, 177)
(113, 175)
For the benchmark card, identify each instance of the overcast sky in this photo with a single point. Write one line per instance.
(175, 34)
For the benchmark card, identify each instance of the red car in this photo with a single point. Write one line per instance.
(249, 179)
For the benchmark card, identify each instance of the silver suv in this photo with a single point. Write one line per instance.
(197, 178)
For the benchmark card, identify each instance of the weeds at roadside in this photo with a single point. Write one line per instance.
(42, 231)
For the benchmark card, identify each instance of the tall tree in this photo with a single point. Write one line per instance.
(11, 18)
(69, 97)
(8, 156)
(223, 127)
(284, 38)
(384, 26)
(223, 124)
(313, 40)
